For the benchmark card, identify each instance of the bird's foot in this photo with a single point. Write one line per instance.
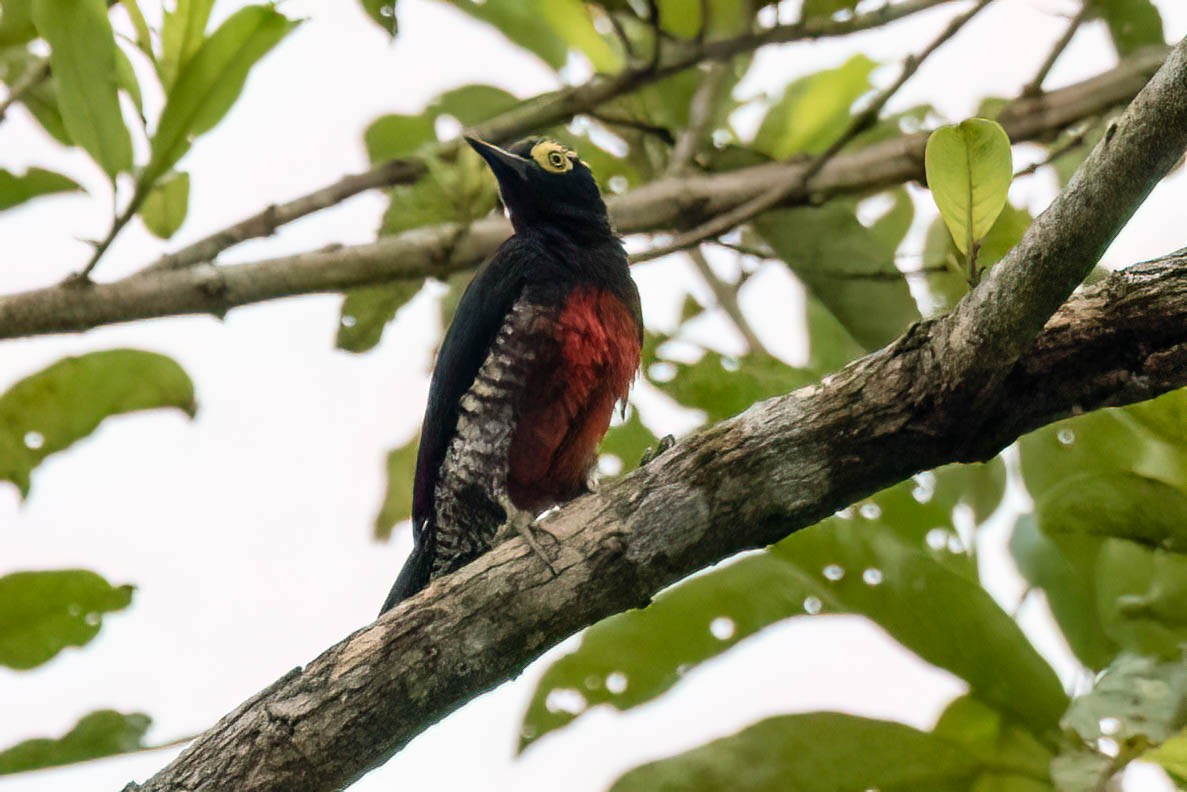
(521, 523)
(649, 456)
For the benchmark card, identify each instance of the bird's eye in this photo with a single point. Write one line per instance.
(552, 156)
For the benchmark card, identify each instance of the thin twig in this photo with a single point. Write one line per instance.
(25, 83)
(700, 115)
(1035, 86)
(727, 300)
(535, 114)
(773, 197)
(656, 34)
(655, 130)
(1076, 141)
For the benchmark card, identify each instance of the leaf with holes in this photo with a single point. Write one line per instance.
(41, 613)
(48, 411)
(969, 167)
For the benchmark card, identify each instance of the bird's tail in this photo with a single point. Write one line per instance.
(412, 578)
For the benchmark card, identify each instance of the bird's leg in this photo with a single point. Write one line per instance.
(665, 442)
(522, 523)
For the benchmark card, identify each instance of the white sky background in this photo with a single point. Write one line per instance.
(247, 531)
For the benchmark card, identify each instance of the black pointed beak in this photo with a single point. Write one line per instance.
(503, 163)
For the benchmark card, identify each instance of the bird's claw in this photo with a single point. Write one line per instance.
(665, 442)
(521, 523)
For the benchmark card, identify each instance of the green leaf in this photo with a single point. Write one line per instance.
(826, 8)
(814, 110)
(397, 500)
(1133, 24)
(724, 386)
(1122, 505)
(1142, 597)
(125, 76)
(845, 265)
(83, 59)
(32, 183)
(1012, 757)
(50, 410)
(165, 208)
(891, 228)
(547, 28)
(41, 98)
(928, 599)
(1171, 755)
(182, 32)
(813, 752)
(451, 192)
(1143, 697)
(365, 313)
(211, 80)
(969, 167)
(382, 13)
(393, 136)
(473, 104)
(16, 22)
(939, 251)
(41, 613)
(1165, 416)
(830, 346)
(99, 734)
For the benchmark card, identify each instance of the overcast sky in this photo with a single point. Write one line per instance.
(247, 530)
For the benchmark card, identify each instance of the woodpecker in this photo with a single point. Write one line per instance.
(545, 342)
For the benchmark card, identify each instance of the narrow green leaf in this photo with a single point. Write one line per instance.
(383, 13)
(99, 734)
(41, 98)
(41, 613)
(1133, 24)
(813, 752)
(211, 81)
(845, 265)
(50, 410)
(140, 25)
(397, 500)
(969, 167)
(392, 136)
(32, 183)
(182, 32)
(84, 61)
(814, 110)
(165, 208)
(365, 313)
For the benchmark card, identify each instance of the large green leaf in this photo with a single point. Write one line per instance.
(547, 28)
(182, 32)
(1133, 24)
(473, 104)
(16, 189)
(884, 563)
(813, 752)
(211, 80)
(1012, 759)
(724, 386)
(165, 208)
(969, 167)
(1142, 597)
(83, 58)
(814, 110)
(16, 22)
(50, 410)
(1171, 756)
(397, 500)
(41, 613)
(393, 135)
(1121, 505)
(101, 733)
(848, 267)
(366, 312)
(451, 192)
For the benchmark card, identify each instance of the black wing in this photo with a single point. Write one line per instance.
(481, 312)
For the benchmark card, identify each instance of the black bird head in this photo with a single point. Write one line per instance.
(544, 183)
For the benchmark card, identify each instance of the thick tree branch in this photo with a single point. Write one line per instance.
(539, 113)
(740, 484)
(669, 203)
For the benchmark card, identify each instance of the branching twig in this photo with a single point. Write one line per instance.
(772, 198)
(1035, 86)
(22, 85)
(727, 300)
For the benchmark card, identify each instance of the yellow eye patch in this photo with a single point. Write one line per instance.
(553, 157)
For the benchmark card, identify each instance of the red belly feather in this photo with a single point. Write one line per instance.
(570, 399)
